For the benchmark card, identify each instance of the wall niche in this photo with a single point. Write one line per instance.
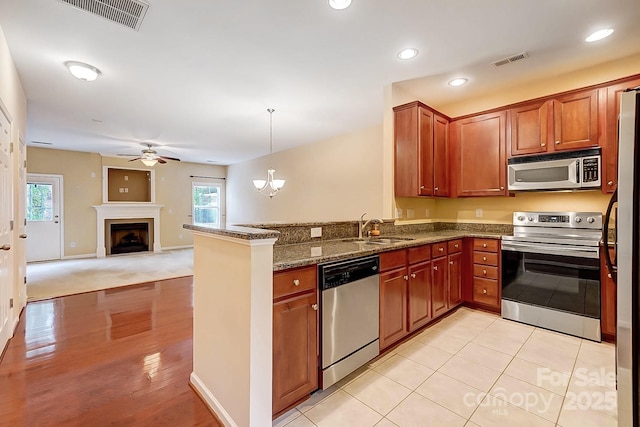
(122, 185)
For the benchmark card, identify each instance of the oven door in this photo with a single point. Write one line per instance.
(549, 276)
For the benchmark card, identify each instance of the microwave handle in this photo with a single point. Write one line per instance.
(605, 236)
(578, 168)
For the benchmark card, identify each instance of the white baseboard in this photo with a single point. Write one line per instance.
(171, 248)
(93, 255)
(211, 401)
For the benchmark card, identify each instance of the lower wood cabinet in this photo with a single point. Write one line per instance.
(439, 284)
(295, 337)
(419, 295)
(608, 300)
(455, 279)
(393, 306)
(486, 289)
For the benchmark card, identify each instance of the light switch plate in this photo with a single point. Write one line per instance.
(478, 213)
(316, 231)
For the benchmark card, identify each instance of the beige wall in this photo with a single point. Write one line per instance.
(82, 174)
(332, 180)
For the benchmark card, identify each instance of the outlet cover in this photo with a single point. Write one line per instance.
(411, 213)
(316, 251)
(398, 212)
(72, 244)
(426, 213)
(316, 231)
(478, 213)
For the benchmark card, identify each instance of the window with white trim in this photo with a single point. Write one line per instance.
(208, 204)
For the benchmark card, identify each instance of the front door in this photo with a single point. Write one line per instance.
(44, 222)
(6, 208)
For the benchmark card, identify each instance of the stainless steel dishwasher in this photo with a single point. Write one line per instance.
(349, 316)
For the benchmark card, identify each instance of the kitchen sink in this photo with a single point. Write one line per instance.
(379, 240)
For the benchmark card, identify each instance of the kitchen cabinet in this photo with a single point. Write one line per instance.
(530, 130)
(421, 151)
(480, 161)
(419, 283)
(295, 337)
(610, 135)
(608, 305)
(393, 306)
(439, 286)
(454, 273)
(486, 269)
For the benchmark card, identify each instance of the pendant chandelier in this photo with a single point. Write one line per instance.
(270, 186)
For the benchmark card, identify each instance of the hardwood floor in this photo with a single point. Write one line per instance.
(116, 357)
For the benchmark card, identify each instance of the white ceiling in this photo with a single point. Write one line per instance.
(199, 75)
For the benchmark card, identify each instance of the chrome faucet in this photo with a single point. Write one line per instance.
(361, 225)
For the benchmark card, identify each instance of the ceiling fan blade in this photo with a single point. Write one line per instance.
(160, 160)
(137, 158)
(169, 158)
(127, 155)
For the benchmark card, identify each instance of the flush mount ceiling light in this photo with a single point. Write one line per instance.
(82, 71)
(408, 53)
(339, 4)
(458, 82)
(270, 186)
(599, 35)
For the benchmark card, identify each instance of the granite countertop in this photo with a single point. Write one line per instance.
(301, 254)
(238, 232)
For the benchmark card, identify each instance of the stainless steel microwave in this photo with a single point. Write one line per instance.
(558, 171)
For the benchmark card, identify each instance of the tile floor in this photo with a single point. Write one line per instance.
(473, 369)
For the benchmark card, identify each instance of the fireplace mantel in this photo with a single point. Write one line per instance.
(127, 211)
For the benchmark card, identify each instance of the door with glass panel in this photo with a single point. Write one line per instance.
(44, 221)
(208, 204)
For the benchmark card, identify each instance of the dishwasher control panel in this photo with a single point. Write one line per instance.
(340, 273)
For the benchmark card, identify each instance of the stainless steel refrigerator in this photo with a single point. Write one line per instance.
(625, 267)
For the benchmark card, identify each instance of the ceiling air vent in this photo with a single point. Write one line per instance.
(125, 12)
(512, 58)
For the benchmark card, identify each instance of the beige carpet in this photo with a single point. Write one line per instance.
(58, 278)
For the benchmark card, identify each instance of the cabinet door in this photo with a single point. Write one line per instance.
(530, 130)
(481, 162)
(607, 298)
(295, 350)
(576, 120)
(439, 286)
(406, 150)
(425, 155)
(440, 156)
(393, 306)
(419, 295)
(455, 279)
(610, 143)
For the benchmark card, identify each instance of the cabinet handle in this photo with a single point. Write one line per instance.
(413, 275)
(437, 188)
(406, 277)
(422, 187)
(315, 307)
(484, 245)
(435, 268)
(455, 246)
(610, 183)
(440, 249)
(5, 247)
(296, 282)
(484, 258)
(484, 291)
(557, 142)
(502, 188)
(23, 236)
(543, 145)
(451, 262)
(609, 275)
(484, 272)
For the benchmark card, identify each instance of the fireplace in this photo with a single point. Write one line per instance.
(127, 213)
(130, 237)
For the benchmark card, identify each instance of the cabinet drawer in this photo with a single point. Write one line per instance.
(393, 259)
(485, 258)
(485, 271)
(419, 254)
(485, 291)
(438, 249)
(454, 246)
(487, 245)
(294, 281)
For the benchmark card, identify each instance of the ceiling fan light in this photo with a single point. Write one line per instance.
(82, 71)
(149, 162)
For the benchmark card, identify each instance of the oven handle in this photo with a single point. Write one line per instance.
(579, 252)
(605, 237)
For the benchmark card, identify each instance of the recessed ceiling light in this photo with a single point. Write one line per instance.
(339, 4)
(599, 35)
(82, 71)
(408, 53)
(458, 82)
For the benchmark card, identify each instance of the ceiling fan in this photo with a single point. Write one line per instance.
(150, 156)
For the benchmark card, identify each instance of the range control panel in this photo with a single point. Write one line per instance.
(558, 219)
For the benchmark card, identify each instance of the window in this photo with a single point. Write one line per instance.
(39, 202)
(208, 204)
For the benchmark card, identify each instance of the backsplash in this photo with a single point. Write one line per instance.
(295, 233)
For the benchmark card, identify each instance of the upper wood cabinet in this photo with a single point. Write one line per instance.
(480, 160)
(421, 151)
(610, 134)
(566, 122)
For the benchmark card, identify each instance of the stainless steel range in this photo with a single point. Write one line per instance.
(551, 271)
